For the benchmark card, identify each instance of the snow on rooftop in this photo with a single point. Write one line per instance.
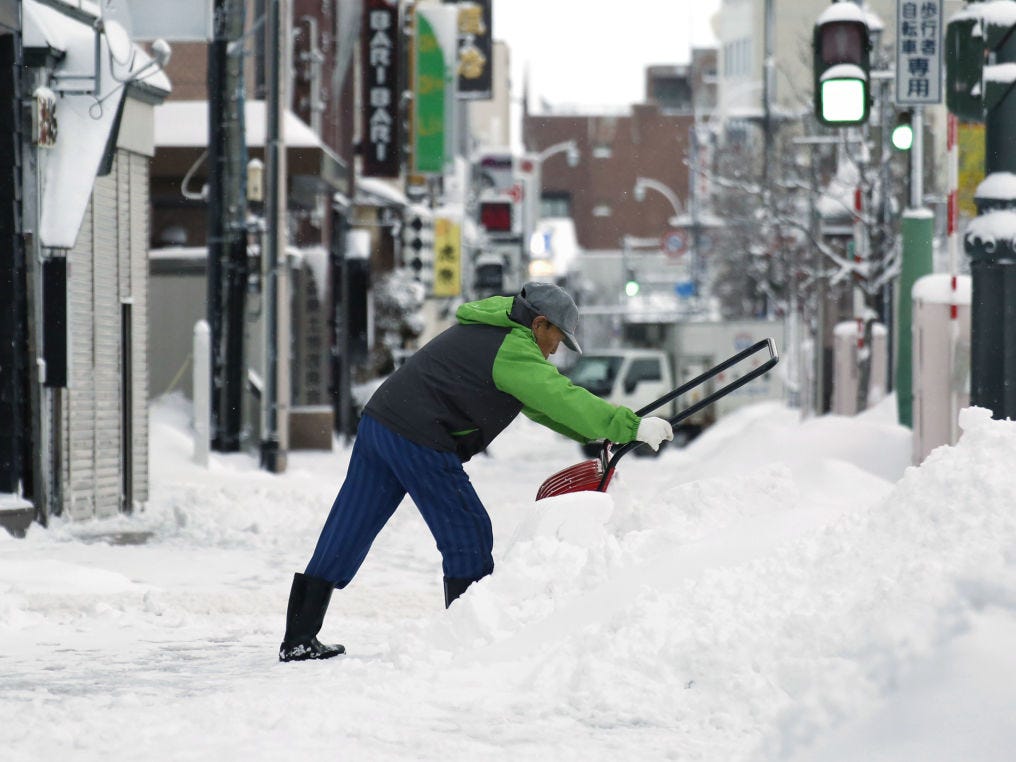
(45, 27)
(184, 124)
(383, 190)
(84, 5)
(85, 120)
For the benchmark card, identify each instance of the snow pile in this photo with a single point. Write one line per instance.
(778, 590)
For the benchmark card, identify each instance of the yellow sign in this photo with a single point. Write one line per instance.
(447, 257)
(970, 144)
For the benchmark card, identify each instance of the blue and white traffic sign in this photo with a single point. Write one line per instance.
(674, 243)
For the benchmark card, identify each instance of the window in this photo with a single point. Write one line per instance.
(555, 204)
(646, 369)
(594, 373)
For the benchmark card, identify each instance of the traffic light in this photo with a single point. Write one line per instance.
(980, 61)
(496, 216)
(631, 286)
(418, 243)
(842, 46)
(965, 51)
(902, 136)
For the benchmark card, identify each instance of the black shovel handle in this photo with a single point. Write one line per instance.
(723, 391)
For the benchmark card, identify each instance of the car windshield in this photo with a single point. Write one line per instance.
(595, 373)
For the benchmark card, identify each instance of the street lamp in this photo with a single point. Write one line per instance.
(532, 165)
(641, 183)
(567, 146)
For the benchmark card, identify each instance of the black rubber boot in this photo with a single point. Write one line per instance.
(308, 602)
(454, 587)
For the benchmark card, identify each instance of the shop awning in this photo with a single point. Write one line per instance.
(181, 135)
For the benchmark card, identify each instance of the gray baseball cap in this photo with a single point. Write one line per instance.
(554, 303)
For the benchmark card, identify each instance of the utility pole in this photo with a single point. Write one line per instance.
(227, 238)
(818, 263)
(768, 87)
(275, 314)
(768, 96)
(919, 57)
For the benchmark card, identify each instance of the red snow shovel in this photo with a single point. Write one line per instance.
(595, 475)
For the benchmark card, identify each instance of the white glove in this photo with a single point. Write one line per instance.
(653, 431)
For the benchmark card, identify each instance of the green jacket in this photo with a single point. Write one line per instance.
(466, 385)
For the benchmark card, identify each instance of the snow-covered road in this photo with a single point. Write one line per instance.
(778, 590)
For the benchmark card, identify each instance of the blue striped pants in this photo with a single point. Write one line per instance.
(383, 467)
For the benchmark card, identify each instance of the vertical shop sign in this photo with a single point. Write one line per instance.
(433, 86)
(475, 50)
(447, 257)
(381, 143)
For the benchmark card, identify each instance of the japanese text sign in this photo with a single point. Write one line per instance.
(919, 28)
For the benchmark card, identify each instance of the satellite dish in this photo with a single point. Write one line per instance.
(119, 42)
(161, 52)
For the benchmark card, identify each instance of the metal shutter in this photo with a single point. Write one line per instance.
(106, 325)
(79, 399)
(108, 267)
(139, 237)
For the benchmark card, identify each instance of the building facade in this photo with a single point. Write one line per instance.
(77, 104)
(652, 140)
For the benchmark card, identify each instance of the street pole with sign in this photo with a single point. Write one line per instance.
(919, 26)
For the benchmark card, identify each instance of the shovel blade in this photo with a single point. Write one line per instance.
(582, 477)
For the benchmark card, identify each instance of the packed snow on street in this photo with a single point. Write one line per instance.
(780, 589)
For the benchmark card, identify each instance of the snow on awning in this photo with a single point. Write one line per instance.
(181, 128)
(86, 121)
(373, 191)
(184, 124)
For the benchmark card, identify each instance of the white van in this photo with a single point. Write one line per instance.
(629, 377)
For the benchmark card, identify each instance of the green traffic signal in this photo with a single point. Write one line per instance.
(841, 44)
(902, 136)
(844, 100)
(631, 288)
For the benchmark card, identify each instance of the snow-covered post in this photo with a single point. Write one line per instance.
(202, 368)
(941, 370)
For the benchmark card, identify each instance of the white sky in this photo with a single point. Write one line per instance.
(594, 53)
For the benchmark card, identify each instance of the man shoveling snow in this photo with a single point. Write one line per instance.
(447, 403)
